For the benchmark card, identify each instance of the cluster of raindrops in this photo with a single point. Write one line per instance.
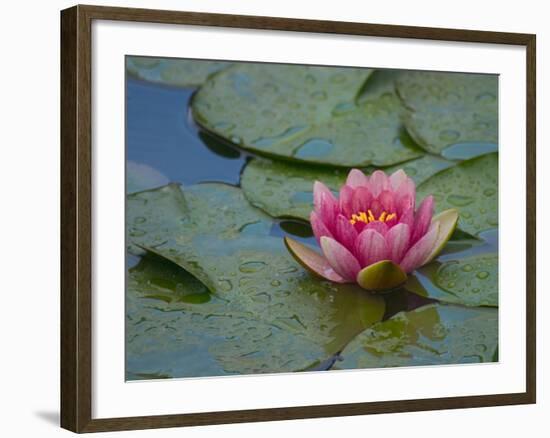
(450, 108)
(176, 72)
(285, 190)
(474, 277)
(471, 188)
(303, 112)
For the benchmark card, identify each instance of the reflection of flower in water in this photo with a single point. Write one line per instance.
(372, 234)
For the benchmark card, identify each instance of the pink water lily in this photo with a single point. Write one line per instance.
(373, 234)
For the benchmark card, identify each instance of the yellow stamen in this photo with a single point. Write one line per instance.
(368, 217)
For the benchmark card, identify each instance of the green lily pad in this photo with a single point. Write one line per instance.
(285, 190)
(171, 71)
(431, 335)
(473, 279)
(303, 113)
(380, 83)
(422, 168)
(176, 328)
(472, 188)
(469, 281)
(158, 279)
(212, 232)
(449, 108)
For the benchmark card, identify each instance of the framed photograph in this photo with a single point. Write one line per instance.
(268, 218)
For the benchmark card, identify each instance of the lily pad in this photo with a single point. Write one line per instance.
(472, 275)
(470, 280)
(472, 188)
(303, 113)
(449, 108)
(380, 83)
(422, 168)
(431, 335)
(172, 333)
(370, 134)
(171, 71)
(173, 287)
(285, 190)
(212, 232)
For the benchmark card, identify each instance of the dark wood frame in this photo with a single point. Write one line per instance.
(76, 218)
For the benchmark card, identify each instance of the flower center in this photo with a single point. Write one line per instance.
(368, 217)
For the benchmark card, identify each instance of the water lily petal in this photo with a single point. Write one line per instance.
(318, 226)
(357, 178)
(423, 218)
(397, 241)
(378, 226)
(407, 217)
(381, 276)
(397, 178)
(312, 260)
(325, 203)
(378, 181)
(405, 196)
(362, 199)
(341, 259)
(387, 200)
(376, 208)
(370, 247)
(345, 232)
(346, 200)
(447, 223)
(418, 253)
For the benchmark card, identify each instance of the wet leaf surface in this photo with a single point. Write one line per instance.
(431, 335)
(422, 168)
(176, 72)
(449, 108)
(176, 328)
(476, 276)
(472, 188)
(380, 83)
(304, 113)
(470, 281)
(285, 189)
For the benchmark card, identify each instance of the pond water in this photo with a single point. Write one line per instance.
(161, 134)
(162, 137)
